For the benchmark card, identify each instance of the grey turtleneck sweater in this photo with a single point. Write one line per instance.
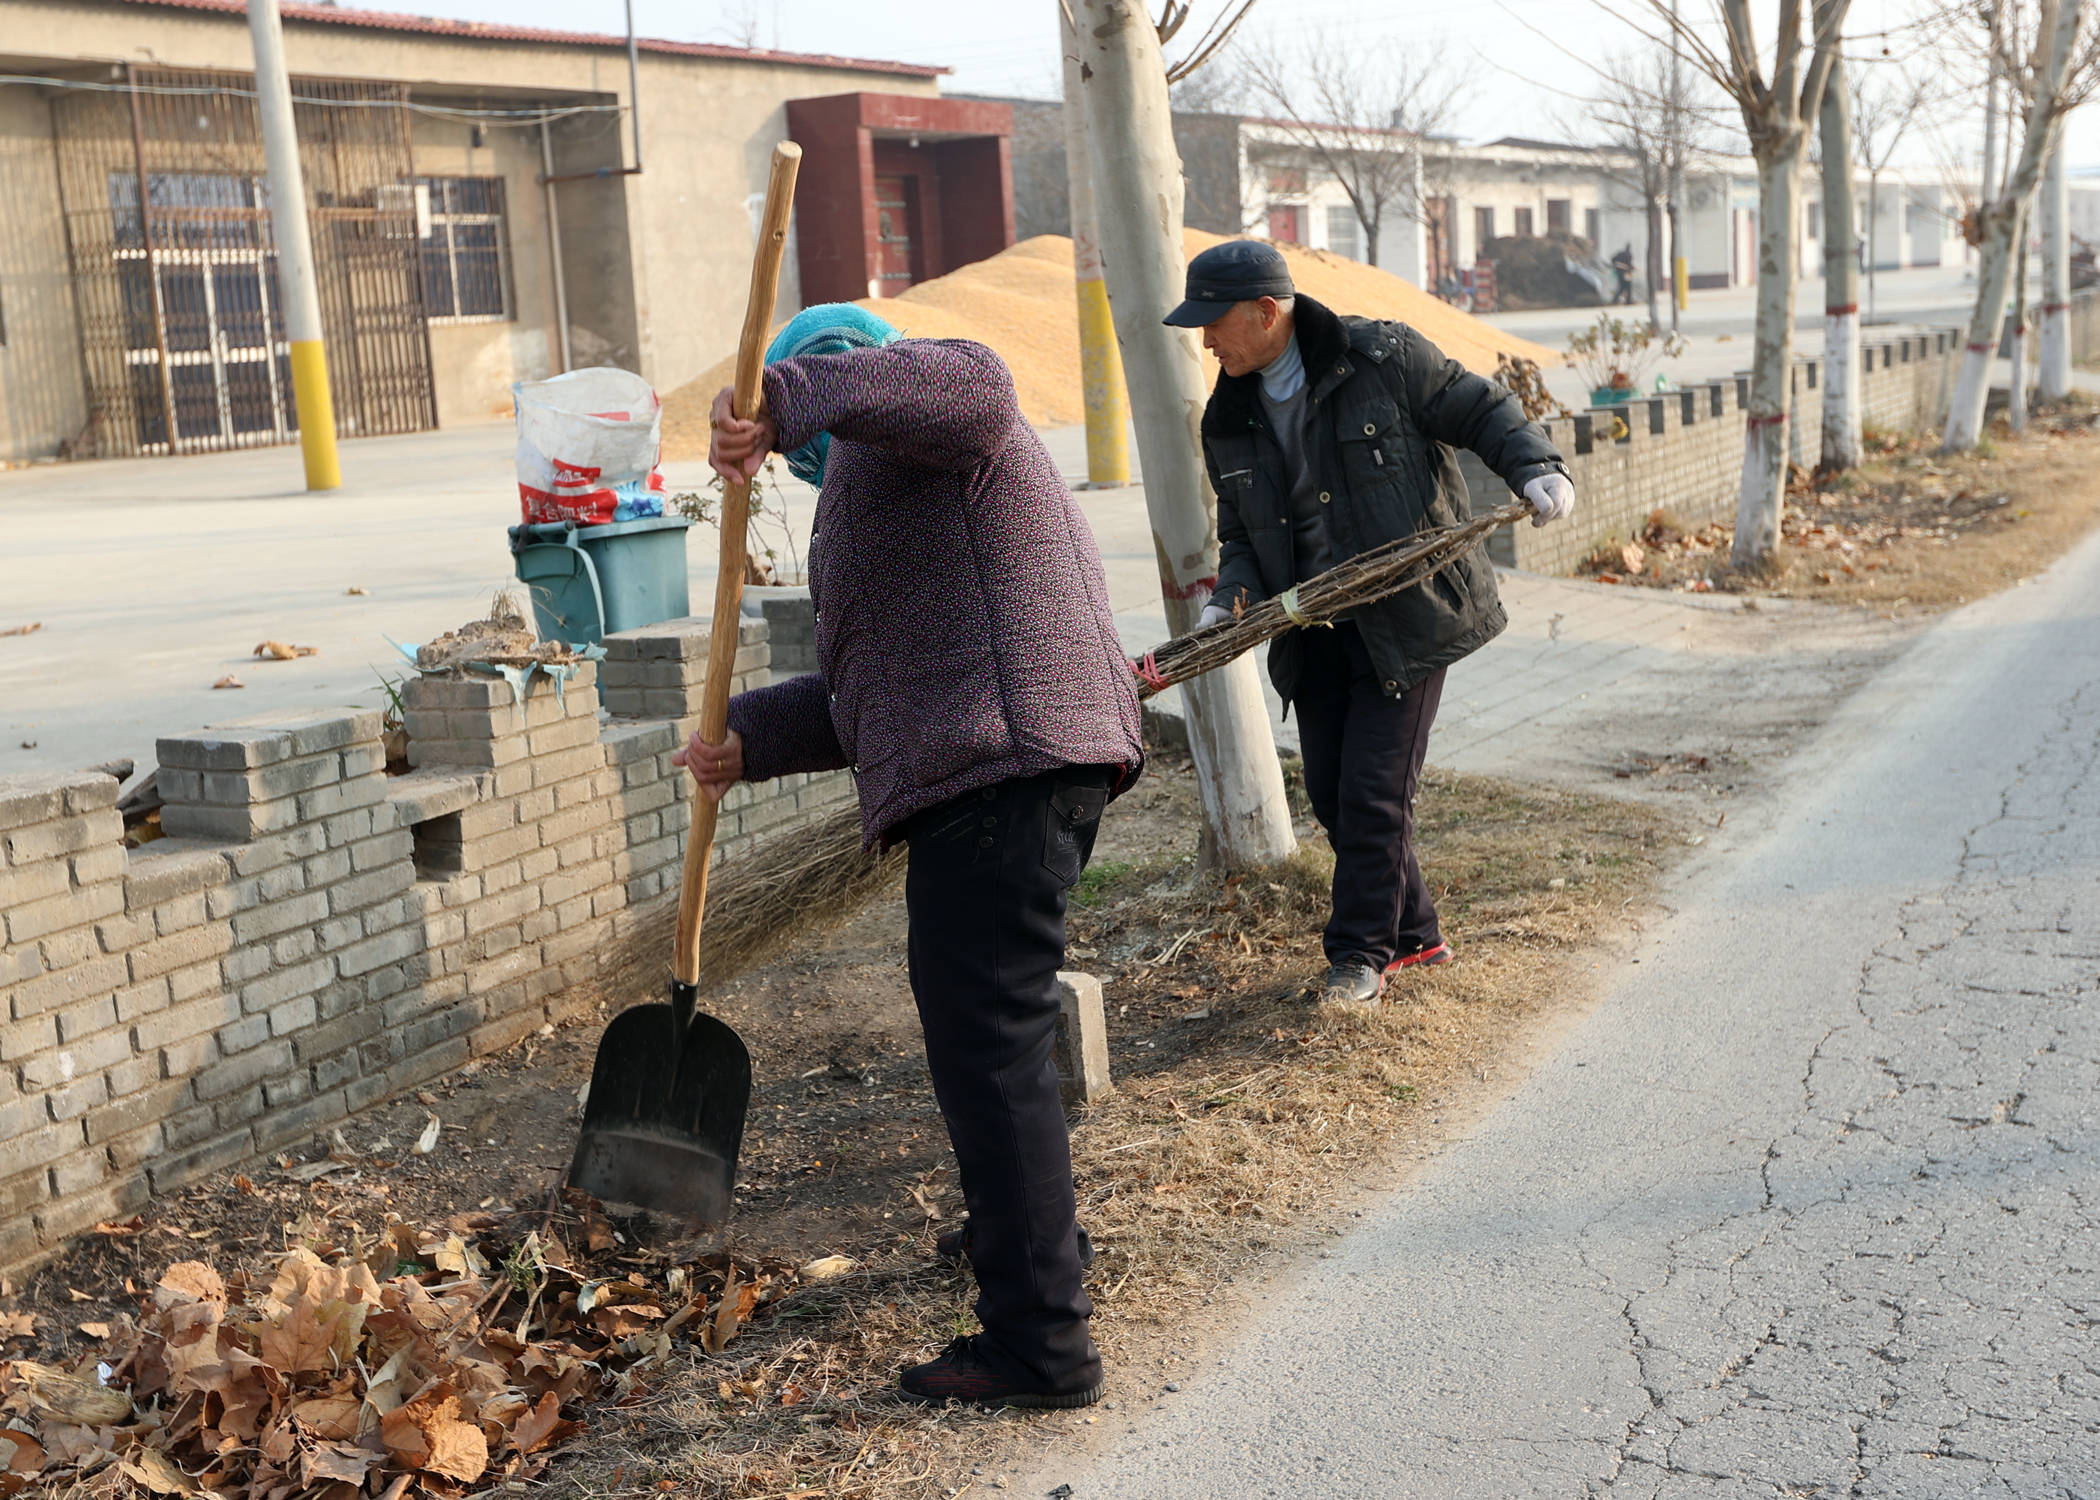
(1285, 402)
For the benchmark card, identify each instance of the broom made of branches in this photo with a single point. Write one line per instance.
(1363, 579)
(820, 874)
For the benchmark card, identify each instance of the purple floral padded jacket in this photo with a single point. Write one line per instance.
(963, 628)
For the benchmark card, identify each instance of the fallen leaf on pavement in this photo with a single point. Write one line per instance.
(229, 681)
(825, 1267)
(427, 1141)
(17, 1326)
(94, 1330)
(30, 629)
(282, 651)
(354, 590)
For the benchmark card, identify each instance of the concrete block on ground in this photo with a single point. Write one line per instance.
(1081, 1049)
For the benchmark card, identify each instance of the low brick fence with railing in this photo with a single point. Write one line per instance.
(1682, 451)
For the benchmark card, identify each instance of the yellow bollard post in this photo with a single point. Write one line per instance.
(1101, 382)
(316, 407)
(1100, 358)
(1684, 284)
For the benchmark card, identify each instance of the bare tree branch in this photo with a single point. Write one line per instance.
(1368, 118)
(1209, 43)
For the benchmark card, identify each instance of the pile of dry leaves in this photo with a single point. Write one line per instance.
(401, 1362)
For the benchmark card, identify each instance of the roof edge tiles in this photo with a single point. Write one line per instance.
(486, 31)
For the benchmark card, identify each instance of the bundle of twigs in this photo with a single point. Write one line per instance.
(1367, 577)
(783, 888)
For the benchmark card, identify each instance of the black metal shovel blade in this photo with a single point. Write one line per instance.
(665, 1116)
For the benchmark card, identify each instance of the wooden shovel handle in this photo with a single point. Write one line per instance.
(748, 398)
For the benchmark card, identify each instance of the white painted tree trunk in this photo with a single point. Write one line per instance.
(1138, 191)
(1765, 444)
(1972, 383)
(1842, 389)
(2055, 380)
(2001, 221)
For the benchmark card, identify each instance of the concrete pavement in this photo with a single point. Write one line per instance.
(1805, 1206)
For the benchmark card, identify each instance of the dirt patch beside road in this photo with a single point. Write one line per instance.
(1242, 1113)
(1907, 531)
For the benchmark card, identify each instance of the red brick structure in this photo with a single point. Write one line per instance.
(897, 190)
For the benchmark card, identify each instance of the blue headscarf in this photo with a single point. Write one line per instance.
(827, 328)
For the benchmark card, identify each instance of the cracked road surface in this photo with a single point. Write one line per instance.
(1805, 1206)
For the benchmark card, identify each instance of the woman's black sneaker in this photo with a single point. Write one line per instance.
(953, 1247)
(962, 1373)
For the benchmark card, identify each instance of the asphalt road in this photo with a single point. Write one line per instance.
(1805, 1206)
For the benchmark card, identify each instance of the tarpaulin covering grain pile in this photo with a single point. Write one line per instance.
(1021, 303)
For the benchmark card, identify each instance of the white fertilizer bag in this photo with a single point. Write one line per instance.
(588, 444)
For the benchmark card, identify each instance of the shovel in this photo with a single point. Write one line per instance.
(665, 1114)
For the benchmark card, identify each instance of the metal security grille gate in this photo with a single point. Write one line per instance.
(167, 213)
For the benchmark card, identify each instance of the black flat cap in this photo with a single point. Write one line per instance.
(1235, 271)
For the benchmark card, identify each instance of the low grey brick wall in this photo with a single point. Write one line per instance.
(313, 935)
(1683, 451)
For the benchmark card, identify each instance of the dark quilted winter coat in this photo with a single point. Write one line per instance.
(963, 627)
(1387, 407)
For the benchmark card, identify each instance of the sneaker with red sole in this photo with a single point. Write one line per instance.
(1428, 958)
(962, 1373)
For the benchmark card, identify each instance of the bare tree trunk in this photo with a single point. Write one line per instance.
(2001, 221)
(2016, 390)
(1989, 190)
(1654, 258)
(1100, 362)
(2055, 383)
(1765, 443)
(1137, 179)
(1972, 384)
(1841, 364)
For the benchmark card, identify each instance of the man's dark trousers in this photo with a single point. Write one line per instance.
(986, 892)
(1363, 762)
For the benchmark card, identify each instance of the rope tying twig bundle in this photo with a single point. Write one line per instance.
(1361, 580)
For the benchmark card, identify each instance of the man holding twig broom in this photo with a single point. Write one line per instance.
(969, 672)
(1327, 436)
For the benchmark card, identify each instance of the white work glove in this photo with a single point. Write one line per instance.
(1213, 614)
(1552, 497)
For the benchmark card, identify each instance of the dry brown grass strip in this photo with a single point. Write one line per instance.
(1229, 1139)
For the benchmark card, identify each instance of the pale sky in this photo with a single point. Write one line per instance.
(1528, 63)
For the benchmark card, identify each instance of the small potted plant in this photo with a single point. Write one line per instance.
(1615, 355)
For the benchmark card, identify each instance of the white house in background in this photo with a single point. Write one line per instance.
(1287, 194)
(1514, 186)
(1916, 219)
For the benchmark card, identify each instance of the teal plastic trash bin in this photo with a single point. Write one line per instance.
(587, 582)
